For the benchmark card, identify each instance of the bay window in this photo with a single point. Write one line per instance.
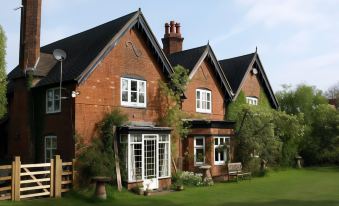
(199, 150)
(221, 146)
(164, 156)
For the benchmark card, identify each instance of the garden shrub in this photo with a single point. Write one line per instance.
(97, 159)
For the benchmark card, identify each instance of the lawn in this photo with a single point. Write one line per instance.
(312, 186)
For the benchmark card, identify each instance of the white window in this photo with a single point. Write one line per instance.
(221, 146)
(164, 156)
(136, 153)
(203, 101)
(50, 147)
(199, 150)
(133, 92)
(252, 100)
(53, 100)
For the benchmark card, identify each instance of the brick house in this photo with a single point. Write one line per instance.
(119, 65)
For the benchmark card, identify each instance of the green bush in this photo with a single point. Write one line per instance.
(188, 179)
(97, 159)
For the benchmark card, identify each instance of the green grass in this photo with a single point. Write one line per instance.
(312, 186)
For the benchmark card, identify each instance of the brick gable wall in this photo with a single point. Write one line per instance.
(205, 78)
(100, 93)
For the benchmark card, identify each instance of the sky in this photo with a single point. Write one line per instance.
(298, 41)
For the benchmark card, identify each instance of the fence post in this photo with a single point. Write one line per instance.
(52, 179)
(13, 180)
(57, 176)
(16, 178)
(73, 173)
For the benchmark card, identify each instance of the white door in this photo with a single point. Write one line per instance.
(150, 162)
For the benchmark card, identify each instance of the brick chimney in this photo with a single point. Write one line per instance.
(172, 40)
(30, 34)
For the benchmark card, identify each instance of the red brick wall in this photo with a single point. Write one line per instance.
(251, 85)
(60, 124)
(19, 132)
(205, 78)
(188, 147)
(100, 93)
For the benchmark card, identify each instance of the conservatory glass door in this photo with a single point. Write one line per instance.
(150, 162)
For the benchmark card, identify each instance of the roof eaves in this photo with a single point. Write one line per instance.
(268, 85)
(220, 71)
(91, 67)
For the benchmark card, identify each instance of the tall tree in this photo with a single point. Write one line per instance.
(3, 78)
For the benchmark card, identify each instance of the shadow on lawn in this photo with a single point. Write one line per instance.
(285, 202)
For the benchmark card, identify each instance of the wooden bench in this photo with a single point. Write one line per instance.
(235, 170)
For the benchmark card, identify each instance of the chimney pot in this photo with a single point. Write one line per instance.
(167, 28)
(177, 28)
(172, 23)
(172, 41)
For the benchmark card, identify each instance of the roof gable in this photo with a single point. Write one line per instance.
(87, 49)
(236, 70)
(191, 59)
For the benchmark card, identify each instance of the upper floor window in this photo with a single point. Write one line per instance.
(203, 101)
(53, 103)
(252, 100)
(133, 92)
(50, 147)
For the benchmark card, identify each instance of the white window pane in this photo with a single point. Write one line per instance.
(216, 141)
(141, 98)
(125, 85)
(208, 105)
(198, 95)
(198, 104)
(124, 96)
(141, 86)
(203, 106)
(54, 143)
(208, 96)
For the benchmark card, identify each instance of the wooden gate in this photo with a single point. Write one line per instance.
(36, 180)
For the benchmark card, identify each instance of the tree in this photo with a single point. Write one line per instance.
(320, 144)
(3, 77)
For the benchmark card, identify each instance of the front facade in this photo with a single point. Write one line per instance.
(119, 65)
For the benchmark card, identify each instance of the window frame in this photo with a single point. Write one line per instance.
(199, 147)
(50, 148)
(129, 103)
(220, 162)
(203, 92)
(168, 142)
(54, 89)
(252, 100)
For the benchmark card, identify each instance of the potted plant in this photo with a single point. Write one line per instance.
(139, 189)
(179, 185)
(147, 192)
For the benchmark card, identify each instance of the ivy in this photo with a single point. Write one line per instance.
(3, 80)
(172, 94)
(97, 159)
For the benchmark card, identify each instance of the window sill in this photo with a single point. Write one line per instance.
(204, 112)
(159, 178)
(135, 107)
(219, 163)
(56, 112)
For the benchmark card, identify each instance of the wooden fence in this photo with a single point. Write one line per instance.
(21, 181)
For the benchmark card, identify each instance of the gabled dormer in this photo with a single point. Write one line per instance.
(246, 74)
(208, 89)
